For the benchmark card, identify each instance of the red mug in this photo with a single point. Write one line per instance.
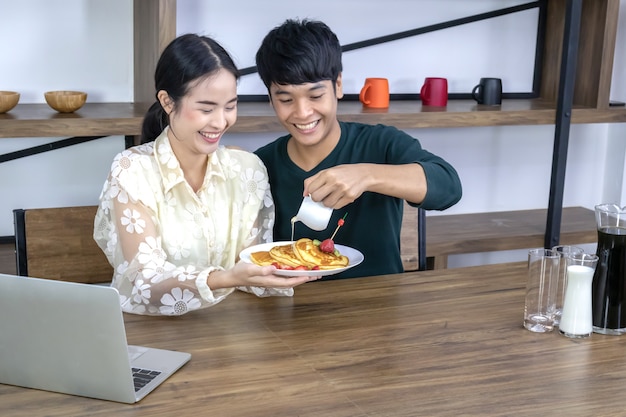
(375, 93)
(434, 92)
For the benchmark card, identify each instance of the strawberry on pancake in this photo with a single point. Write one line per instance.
(310, 254)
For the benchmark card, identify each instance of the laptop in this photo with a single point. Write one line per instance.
(70, 338)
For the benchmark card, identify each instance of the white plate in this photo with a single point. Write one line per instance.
(354, 256)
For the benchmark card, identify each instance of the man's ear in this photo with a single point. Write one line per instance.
(166, 101)
(339, 87)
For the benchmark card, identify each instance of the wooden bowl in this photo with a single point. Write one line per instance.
(8, 100)
(65, 101)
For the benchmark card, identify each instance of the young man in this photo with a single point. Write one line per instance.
(363, 170)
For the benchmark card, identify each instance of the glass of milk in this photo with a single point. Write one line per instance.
(576, 317)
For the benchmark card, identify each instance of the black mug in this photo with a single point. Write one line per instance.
(488, 91)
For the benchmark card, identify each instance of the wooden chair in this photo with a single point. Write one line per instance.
(413, 239)
(57, 243)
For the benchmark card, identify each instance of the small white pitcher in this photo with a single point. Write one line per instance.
(313, 214)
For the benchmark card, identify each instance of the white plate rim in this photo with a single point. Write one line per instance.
(355, 258)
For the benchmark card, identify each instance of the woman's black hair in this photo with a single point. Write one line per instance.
(186, 59)
(299, 52)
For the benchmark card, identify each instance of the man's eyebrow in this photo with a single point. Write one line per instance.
(316, 86)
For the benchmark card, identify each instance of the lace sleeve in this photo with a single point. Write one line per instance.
(148, 283)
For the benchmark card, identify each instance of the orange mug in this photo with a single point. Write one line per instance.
(434, 92)
(375, 93)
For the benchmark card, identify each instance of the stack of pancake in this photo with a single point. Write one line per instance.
(301, 253)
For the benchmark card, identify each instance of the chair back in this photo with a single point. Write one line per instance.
(413, 239)
(57, 243)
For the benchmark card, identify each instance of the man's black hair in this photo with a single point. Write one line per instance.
(299, 52)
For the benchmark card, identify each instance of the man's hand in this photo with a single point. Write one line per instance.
(338, 186)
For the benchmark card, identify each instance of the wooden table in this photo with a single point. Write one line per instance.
(446, 342)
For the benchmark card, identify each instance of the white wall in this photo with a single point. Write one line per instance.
(462, 54)
(62, 45)
(502, 168)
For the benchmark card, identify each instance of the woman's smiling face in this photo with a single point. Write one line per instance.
(203, 115)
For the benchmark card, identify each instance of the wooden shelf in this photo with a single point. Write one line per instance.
(259, 117)
(93, 119)
(108, 119)
(155, 26)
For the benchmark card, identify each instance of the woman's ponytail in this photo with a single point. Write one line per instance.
(154, 122)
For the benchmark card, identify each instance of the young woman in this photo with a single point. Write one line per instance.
(176, 210)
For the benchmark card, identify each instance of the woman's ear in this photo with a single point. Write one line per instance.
(166, 101)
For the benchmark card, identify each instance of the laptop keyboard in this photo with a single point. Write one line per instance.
(142, 376)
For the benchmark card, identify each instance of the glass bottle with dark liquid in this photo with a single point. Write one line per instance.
(609, 279)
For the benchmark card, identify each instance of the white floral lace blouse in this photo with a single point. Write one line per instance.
(163, 239)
